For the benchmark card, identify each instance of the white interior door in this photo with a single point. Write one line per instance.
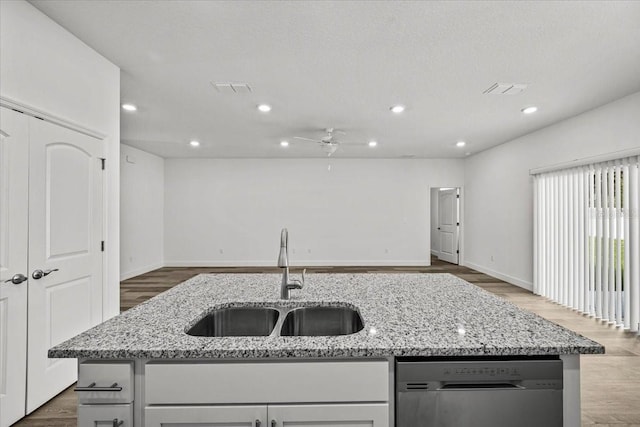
(65, 234)
(14, 187)
(448, 225)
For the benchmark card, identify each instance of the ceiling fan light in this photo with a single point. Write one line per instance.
(397, 109)
(373, 143)
(460, 144)
(264, 108)
(284, 143)
(194, 143)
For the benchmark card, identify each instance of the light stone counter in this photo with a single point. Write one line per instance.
(403, 314)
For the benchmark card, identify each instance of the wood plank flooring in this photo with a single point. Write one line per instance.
(610, 383)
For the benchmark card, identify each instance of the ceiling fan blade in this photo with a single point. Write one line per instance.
(306, 139)
(361, 144)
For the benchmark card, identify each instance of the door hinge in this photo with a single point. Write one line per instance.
(457, 196)
(103, 161)
(102, 246)
(457, 251)
(458, 224)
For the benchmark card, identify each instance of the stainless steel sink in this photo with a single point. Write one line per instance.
(321, 321)
(236, 322)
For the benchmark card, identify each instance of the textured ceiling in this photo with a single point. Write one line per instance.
(343, 64)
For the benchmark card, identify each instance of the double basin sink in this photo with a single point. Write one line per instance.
(245, 321)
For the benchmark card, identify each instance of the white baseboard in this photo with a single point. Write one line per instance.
(509, 279)
(300, 263)
(138, 271)
(435, 252)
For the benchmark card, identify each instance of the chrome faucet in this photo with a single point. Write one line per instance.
(283, 262)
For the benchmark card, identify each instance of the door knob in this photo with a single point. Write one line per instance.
(39, 274)
(17, 279)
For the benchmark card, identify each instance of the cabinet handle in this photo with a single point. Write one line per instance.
(117, 423)
(92, 387)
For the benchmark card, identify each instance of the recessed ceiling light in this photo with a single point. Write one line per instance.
(265, 108)
(129, 107)
(529, 110)
(373, 143)
(284, 143)
(194, 143)
(397, 109)
(460, 144)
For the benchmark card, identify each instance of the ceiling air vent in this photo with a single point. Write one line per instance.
(506, 88)
(231, 87)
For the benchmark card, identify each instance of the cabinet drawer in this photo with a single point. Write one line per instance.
(275, 382)
(105, 375)
(105, 415)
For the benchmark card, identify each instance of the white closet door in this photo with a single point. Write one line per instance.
(14, 157)
(65, 234)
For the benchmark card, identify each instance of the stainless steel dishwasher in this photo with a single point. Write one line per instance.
(478, 392)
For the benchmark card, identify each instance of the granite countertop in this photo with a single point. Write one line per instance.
(403, 314)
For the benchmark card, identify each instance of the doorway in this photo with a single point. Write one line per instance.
(445, 223)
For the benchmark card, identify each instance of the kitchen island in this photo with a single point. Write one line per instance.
(173, 377)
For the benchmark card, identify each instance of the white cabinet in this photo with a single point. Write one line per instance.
(334, 415)
(105, 394)
(346, 415)
(105, 415)
(279, 393)
(206, 416)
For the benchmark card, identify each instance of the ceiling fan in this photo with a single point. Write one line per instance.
(329, 143)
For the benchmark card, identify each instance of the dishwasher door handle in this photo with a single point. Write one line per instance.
(481, 386)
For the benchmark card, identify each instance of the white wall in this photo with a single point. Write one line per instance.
(499, 193)
(45, 67)
(362, 212)
(141, 212)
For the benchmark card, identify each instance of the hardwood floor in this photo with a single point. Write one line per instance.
(610, 383)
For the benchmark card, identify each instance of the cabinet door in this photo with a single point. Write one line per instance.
(14, 157)
(65, 233)
(205, 416)
(348, 415)
(105, 415)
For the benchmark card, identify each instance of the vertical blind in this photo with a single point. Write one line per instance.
(587, 239)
